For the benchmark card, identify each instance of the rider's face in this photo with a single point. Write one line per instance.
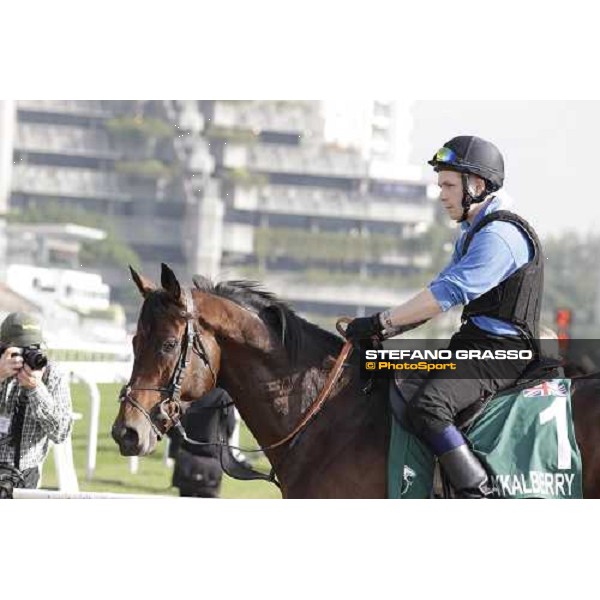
(451, 193)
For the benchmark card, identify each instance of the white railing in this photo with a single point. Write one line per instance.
(26, 494)
(90, 374)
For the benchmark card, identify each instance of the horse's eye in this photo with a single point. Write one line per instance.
(169, 345)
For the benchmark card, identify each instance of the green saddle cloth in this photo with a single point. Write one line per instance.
(526, 439)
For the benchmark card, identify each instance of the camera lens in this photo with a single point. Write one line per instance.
(35, 359)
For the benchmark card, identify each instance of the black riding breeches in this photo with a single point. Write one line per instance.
(434, 400)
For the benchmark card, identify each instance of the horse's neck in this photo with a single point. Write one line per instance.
(270, 393)
(339, 454)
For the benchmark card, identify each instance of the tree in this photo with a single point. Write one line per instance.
(571, 279)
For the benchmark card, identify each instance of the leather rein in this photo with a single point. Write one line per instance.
(192, 342)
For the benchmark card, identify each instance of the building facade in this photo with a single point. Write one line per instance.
(227, 189)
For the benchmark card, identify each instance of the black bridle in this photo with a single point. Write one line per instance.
(191, 342)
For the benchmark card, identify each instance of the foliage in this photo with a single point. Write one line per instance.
(109, 251)
(339, 247)
(112, 250)
(146, 169)
(571, 277)
(231, 134)
(245, 178)
(113, 313)
(439, 242)
(139, 127)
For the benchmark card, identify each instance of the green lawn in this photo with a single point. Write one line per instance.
(112, 472)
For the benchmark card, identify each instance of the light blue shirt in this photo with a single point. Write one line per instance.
(495, 253)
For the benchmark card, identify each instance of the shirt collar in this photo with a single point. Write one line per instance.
(490, 205)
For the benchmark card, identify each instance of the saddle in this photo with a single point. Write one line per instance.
(409, 446)
(538, 371)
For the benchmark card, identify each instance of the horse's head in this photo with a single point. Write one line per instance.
(175, 359)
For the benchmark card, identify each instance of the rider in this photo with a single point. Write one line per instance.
(496, 272)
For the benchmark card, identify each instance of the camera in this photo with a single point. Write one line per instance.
(35, 358)
(32, 356)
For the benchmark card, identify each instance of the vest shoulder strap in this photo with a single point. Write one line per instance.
(508, 217)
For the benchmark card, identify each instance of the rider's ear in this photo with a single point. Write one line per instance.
(144, 285)
(169, 282)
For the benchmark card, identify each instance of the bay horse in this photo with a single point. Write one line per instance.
(273, 363)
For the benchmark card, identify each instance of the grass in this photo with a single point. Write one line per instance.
(112, 473)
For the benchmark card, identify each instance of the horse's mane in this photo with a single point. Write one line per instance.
(299, 337)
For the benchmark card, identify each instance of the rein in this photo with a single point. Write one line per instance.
(316, 406)
(192, 342)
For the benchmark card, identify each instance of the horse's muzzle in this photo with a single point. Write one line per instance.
(130, 442)
(127, 439)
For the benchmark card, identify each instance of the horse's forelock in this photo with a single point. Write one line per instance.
(159, 304)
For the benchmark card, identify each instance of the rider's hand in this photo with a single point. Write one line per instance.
(10, 365)
(28, 378)
(363, 328)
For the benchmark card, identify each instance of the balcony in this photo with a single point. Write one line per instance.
(313, 160)
(50, 181)
(86, 108)
(331, 203)
(63, 139)
(268, 115)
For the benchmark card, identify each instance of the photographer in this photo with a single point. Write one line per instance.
(35, 403)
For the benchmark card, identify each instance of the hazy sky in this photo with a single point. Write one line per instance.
(551, 152)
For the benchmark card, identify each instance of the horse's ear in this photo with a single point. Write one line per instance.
(144, 285)
(169, 282)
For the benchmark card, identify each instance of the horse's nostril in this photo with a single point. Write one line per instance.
(126, 436)
(162, 419)
(130, 436)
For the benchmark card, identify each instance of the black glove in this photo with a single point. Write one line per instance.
(363, 328)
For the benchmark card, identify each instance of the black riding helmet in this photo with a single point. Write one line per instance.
(468, 154)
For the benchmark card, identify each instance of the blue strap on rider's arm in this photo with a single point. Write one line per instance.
(445, 440)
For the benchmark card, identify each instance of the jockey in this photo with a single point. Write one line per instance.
(496, 272)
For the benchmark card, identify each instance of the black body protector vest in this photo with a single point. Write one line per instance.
(518, 299)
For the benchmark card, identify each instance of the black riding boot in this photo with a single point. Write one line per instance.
(466, 473)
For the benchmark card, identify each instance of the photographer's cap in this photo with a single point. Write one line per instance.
(21, 330)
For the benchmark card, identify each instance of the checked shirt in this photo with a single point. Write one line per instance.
(47, 416)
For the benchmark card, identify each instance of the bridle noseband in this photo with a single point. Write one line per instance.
(191, 342)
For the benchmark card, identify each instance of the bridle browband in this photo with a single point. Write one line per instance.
(191, 342)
